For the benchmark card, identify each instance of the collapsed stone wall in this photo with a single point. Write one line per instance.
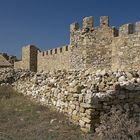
(83, 95)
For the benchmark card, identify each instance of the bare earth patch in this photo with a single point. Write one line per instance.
(21, 119)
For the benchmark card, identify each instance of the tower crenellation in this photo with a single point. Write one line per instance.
(88, 22)
(74, 26)
(137, 27)
(126, 29)
(104, 21)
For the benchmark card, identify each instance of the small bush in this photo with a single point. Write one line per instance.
(117, 125)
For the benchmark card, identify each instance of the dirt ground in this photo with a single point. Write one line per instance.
(21, 119)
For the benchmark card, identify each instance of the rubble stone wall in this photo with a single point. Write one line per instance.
(83, 95)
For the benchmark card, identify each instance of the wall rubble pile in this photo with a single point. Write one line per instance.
(83, 95)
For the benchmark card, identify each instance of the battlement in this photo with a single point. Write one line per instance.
(104, 21)
(74, 26)
(88, 23)
(129, 29)
(126, 29)
(99, 47)
(54, 51)
(137, 27)
(79, 35)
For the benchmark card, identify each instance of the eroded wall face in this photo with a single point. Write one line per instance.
(78, 57)
(89, 35)
(126, 53)
(92, 44)
(102, 35)
(93, 48)
(98, 56)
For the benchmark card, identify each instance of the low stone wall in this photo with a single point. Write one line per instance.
(83, 95)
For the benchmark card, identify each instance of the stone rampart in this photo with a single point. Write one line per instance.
(103, 47)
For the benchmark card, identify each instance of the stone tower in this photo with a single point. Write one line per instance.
(29, 59)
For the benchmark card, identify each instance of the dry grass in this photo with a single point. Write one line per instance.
(21, 119)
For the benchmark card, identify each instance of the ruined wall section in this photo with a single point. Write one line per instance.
(126, 48)
(84, 95)
(55, 59)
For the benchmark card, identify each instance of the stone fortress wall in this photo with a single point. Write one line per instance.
(102, 47)
(96, 76)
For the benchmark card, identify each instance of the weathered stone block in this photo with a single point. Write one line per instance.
(88, 22)
(104, 21)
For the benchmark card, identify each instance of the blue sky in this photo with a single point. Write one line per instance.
(45, 23)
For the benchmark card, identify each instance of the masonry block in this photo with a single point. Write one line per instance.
(74, 26)
(137, 26)
(104, 21)
(126, 29)
(88, 22)
(50, 52)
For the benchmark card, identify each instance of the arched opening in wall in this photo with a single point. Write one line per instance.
(60, 50)
(66, 48)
